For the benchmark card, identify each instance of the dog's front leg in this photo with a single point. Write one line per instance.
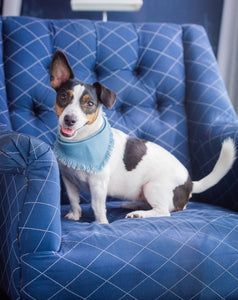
(73, 194)
(98, 189)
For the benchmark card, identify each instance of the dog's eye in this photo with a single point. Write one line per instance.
(63, 96)
(90, 103)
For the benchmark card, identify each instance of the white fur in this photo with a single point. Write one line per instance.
(221, 168)
(79, 127)
(153, 180)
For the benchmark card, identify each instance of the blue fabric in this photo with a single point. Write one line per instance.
(211, 117)
(90, 154)
(4, 114)
(29, 214)
(169, 90)
(28, 48)
(167, 258)
(144, 66)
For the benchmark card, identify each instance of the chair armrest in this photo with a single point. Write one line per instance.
(29, 193)
(205, 147)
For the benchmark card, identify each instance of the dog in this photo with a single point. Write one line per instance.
(102, 160)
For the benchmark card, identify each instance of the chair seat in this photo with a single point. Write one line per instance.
(114, 261)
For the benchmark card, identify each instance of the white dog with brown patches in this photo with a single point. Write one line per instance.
(94, 157)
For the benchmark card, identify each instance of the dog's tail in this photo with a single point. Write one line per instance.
(223, 165)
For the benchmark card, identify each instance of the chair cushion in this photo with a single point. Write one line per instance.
(176, 257)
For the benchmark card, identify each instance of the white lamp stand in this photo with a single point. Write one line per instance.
(106, 5)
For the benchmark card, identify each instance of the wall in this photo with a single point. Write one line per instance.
(204, 12)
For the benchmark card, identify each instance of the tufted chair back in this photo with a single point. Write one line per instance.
(143, 64)
(165, 76)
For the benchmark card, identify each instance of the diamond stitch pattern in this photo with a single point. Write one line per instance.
(169, 90)
(4, 114)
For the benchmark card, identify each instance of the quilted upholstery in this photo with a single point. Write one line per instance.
(169, 91)
(30, 174)
(4, 115)
(211, 117)
(143, 63)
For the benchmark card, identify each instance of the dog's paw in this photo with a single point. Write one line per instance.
(103, 221)
(136, 214)
(153, 213)
(73, 215)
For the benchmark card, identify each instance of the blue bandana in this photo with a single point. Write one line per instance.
(90, 154)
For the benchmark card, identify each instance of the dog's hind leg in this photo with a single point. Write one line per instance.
(73, 194)
(159, 197)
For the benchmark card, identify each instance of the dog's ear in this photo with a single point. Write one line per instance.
(106, 96)
(60, 70)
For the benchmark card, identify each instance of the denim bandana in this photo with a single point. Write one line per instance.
(90, 154)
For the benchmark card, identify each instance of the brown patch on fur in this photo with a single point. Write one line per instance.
(85, 98)
(58, 110)
(92, 117)
(71, 93)
(182, 195)
(134, 151)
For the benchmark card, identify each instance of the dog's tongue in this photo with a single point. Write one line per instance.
(67, 130)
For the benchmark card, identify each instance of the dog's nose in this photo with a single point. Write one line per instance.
(70, 120)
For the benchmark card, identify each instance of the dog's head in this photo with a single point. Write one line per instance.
(77, 104)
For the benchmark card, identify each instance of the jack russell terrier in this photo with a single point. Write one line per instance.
(102, 160)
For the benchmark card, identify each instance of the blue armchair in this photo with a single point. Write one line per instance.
(169, 90)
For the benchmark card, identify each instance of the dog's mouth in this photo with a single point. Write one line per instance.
(67, 132)
(70, 132)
